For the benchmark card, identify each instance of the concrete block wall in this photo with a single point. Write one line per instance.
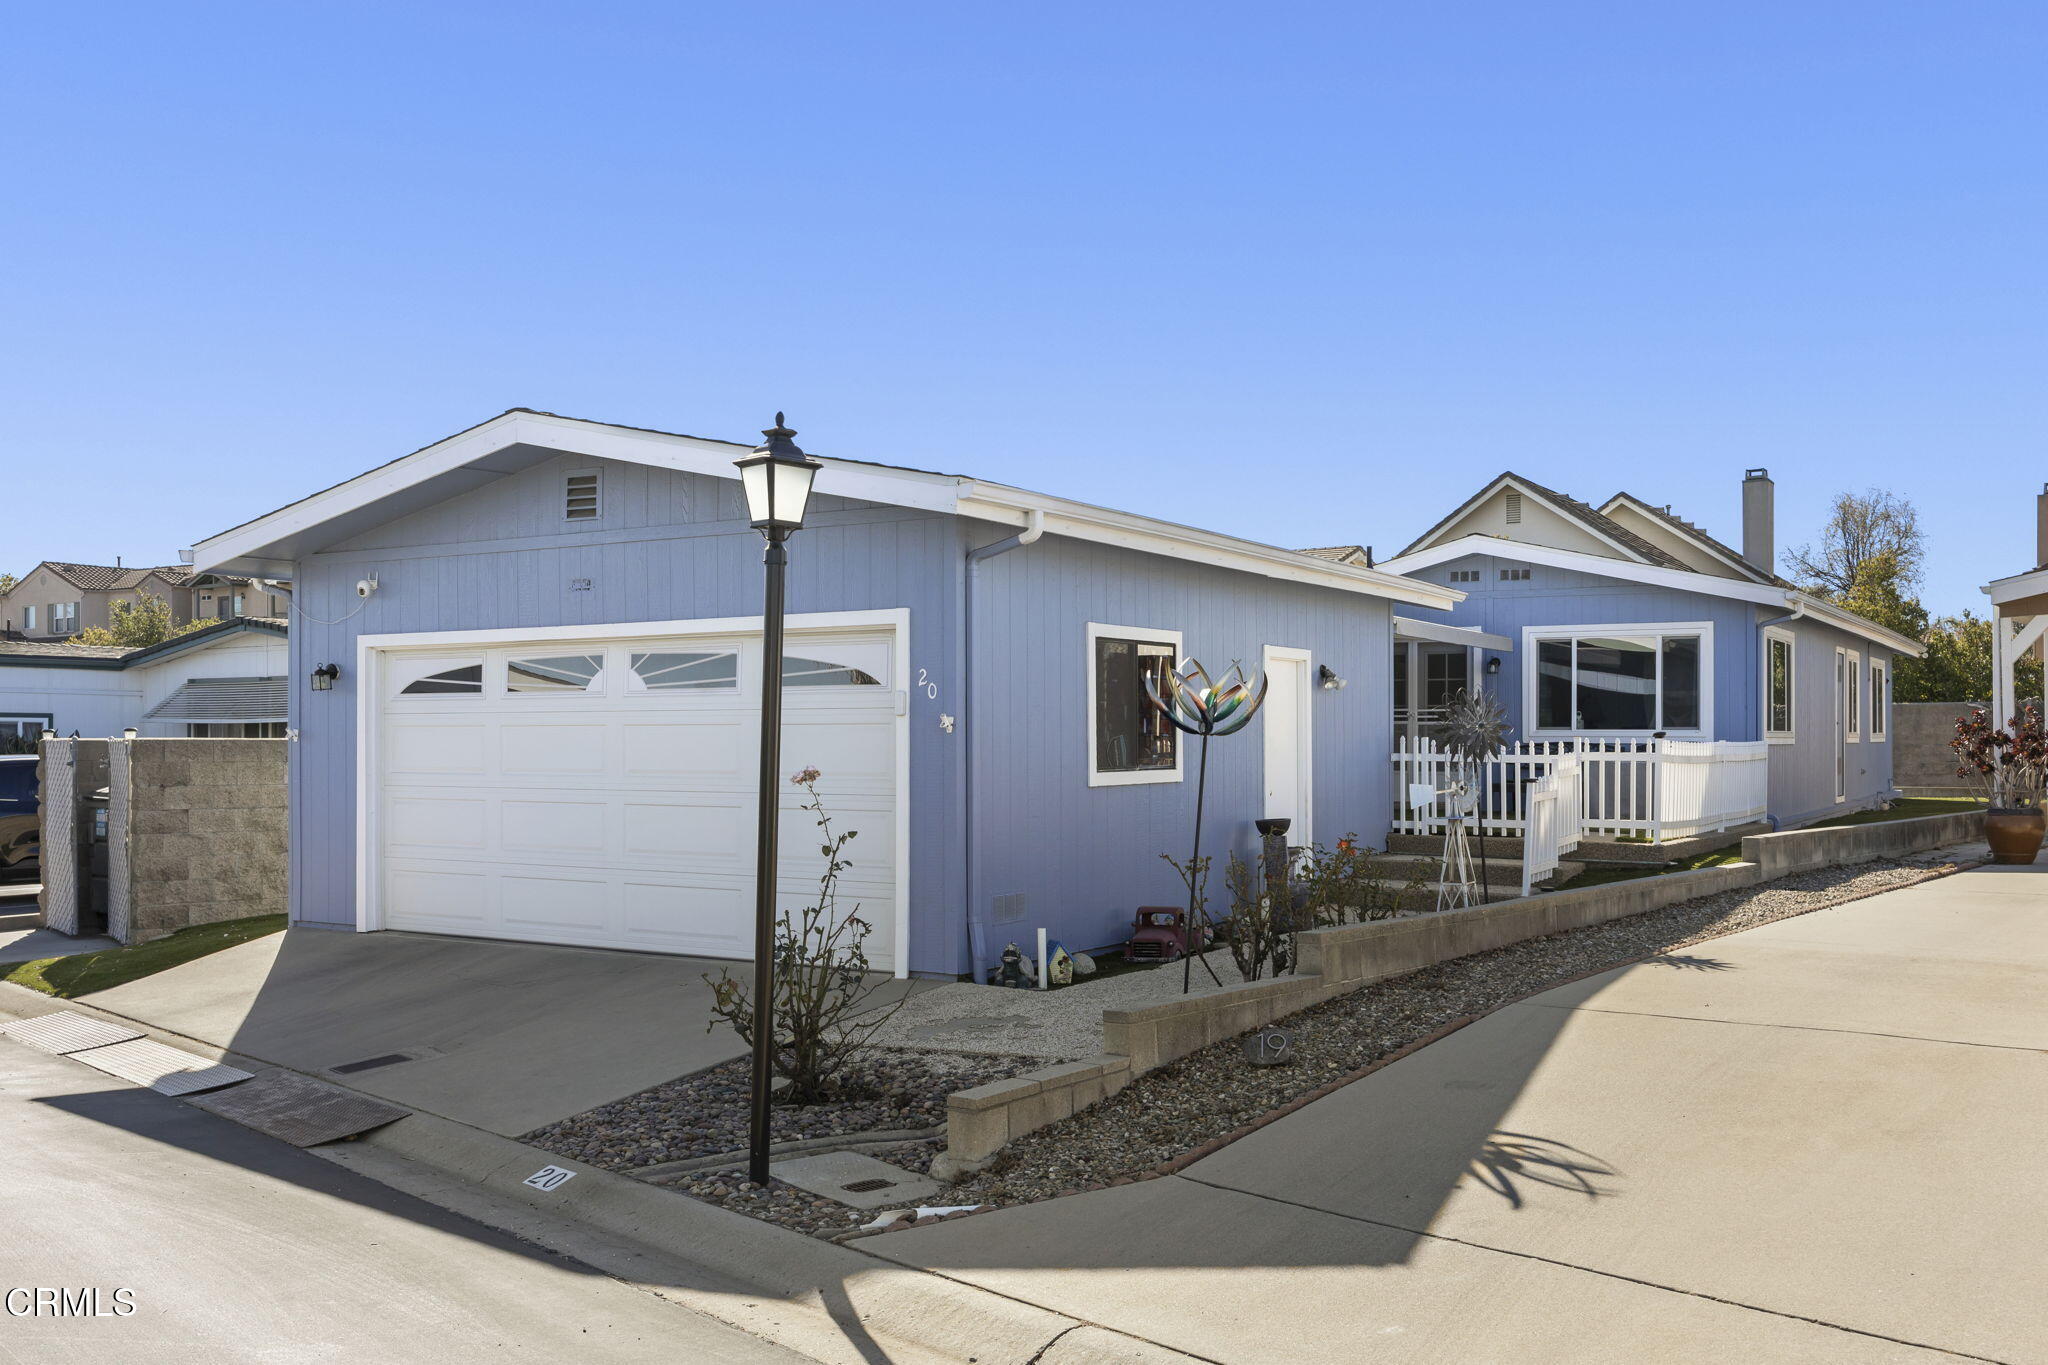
(1922, 762)
(1338, 961)
(204, 832)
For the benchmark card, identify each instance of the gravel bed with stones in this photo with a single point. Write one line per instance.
(1212, 1093)
(704, 1114)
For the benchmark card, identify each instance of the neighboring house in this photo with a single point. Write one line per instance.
(56, 600)
(1627, 622)
(543, 718)
(226, 681)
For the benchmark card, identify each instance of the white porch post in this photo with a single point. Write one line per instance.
(1415, 693)
(2001, 670)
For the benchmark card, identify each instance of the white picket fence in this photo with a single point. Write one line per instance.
(1657, 789)
(1543, 836)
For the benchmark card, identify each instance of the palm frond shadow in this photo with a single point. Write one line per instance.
(1507, 1161)
(1689, 962)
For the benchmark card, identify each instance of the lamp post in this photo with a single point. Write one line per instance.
(777, 479)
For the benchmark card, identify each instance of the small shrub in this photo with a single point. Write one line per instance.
(1262, 922)
(819, 1011)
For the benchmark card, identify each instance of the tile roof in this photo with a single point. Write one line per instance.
(113, 577)
(61, 649)
(1339, 553)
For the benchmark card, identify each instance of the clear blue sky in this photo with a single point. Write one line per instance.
(1305, 274)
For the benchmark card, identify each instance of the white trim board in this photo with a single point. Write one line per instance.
(1763, 714)
(371, 652)
(1527, 490)
(254, 547)
(1630, 571)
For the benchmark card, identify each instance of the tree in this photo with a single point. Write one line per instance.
(7, 582)
(1871, 531)
(138, 624)
(1958, 664)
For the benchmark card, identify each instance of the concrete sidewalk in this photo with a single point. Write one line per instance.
(1814, 1141)
(502, 1036)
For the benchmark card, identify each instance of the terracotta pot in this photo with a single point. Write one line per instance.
(2014, 835)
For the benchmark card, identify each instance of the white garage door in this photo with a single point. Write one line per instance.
(603, 792)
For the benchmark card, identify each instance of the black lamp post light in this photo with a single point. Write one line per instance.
(777, 478)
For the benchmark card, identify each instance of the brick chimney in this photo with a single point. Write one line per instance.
(1759, 519)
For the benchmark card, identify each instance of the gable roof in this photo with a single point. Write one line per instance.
(112, 577)
(1341, 554)
(521, 438)
(1627, 542)
(1679, 524)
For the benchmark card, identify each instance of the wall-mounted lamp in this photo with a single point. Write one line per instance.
(1493, 666)
(324, 676)
(129, 733)
(1328, 677)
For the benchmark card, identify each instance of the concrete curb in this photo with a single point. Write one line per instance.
(832, 1303)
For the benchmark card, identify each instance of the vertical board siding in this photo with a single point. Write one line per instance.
(1568, 597)
(501, 557)
(1803, 772)
(1086, 857)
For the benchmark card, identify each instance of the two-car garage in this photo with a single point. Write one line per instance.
(597, 786)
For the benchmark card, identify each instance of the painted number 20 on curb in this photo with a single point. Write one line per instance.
(549, 1178)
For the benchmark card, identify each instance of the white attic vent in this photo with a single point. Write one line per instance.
(580, 496)
(1514, 508)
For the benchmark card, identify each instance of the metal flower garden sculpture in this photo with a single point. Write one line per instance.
(1197, 706)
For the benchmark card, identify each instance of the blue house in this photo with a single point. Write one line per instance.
(1624, 624)
(525, 668)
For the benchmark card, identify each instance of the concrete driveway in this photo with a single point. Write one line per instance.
(503, 1036)
(1819, 1140)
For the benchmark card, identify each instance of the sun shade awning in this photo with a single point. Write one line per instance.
(224, 699)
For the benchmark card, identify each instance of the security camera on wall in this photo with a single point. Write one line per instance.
(366, 586)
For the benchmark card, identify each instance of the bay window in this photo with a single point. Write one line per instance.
(1636, 679)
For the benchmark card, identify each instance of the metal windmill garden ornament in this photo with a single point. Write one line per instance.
(1473, 731)
(1198, 706)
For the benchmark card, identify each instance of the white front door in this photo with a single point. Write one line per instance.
(602, 792)
(1289, 752)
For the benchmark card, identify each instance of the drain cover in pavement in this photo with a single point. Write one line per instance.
(163, 1069)
(65, 1032)
(303, 1112)
(857, 1180)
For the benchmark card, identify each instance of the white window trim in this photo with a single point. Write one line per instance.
(1791, 640)
(1839, 687)
(370, 655)
(1853, 723)
(1148, 635)
(1656, 630)
(1879, 700)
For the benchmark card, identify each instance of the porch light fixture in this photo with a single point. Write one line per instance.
(1327, 676)
(777, 479)
(1493, 666)
(324, 676)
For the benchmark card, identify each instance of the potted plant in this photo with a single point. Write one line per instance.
(2008, 766)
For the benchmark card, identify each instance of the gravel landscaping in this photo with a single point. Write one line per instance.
(888, 1090)
(1165, 1115)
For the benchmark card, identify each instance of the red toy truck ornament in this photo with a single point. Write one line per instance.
(1158, 934)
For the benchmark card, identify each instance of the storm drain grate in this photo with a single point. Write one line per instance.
(370, 1063)
(65, 1032)
(299, 1110)
(863, 1186)
(163, 1069)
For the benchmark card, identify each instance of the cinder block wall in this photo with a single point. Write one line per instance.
(207, 832)
(1922, 762)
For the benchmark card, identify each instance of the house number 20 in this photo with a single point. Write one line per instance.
(926, 685)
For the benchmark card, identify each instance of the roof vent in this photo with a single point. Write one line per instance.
(1514, 508)
(580, 496)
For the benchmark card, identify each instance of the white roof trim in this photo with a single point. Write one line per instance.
(2029, 584)
(1763, 594)
(244, 545)
(1408, 628)
(1692, 537)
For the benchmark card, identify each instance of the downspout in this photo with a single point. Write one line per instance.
(1034, 527)
(1763, 726)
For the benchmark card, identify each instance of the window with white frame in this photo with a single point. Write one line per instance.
(1632, 679)
(64, 618)
(1778, 684)
(1129, 740)
(28, 617)
(1855, 690)
(1878, 699)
